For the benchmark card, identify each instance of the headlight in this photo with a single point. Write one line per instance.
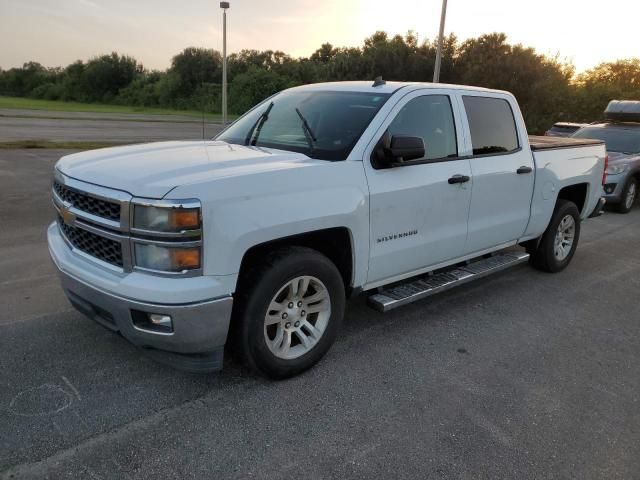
(167, 259)
(617, 169)
(169, 218)
(167, 236)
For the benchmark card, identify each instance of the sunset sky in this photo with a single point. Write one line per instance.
(58, 32)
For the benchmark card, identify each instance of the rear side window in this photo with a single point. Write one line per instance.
(429, 117)
(492, 125)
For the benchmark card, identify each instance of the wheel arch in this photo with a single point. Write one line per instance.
(335, 243)
(576, 193)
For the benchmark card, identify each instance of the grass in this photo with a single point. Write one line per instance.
(23, 103)
(57, 145)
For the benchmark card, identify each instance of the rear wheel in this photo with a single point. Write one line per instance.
(288, 312)
(559, 241)
(629, 196)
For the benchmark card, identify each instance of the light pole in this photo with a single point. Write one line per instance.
(436, 70)
(224, 6)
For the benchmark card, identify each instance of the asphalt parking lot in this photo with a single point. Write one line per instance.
(522, 375)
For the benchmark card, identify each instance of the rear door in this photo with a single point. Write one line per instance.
(418, 218)
(502, 169)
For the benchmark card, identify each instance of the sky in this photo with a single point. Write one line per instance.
(58, 32)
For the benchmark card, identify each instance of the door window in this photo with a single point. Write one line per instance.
(429, 117)
(492, 125)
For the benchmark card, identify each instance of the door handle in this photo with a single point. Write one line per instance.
(524, 169)
(459, 179)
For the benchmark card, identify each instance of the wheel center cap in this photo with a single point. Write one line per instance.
(293, 314)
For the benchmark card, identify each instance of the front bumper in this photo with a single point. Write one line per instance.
(199, 327)
(613, 187)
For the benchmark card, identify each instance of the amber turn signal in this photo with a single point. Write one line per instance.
(185, 258)
(182, 219)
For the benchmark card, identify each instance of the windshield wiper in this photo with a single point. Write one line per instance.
(308, 133)
(257, 126)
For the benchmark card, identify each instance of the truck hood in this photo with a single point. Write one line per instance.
(152, 170)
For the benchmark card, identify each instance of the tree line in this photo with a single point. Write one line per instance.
(547, 89)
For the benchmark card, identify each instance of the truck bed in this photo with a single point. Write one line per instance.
(553, 143)
(560, 163)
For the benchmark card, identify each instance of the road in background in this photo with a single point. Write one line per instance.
(520, 375)
(23, 112)
(17, 125)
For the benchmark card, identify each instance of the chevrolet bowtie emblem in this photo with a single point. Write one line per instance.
(68, 217)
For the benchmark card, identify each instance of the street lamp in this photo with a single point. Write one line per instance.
(224, 6)
(436, 70)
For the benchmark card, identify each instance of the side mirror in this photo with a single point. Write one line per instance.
(404, 148)
(393, 151)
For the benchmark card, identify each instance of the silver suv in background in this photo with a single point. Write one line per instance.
(621, 134)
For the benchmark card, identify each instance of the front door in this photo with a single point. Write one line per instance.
(418, 215)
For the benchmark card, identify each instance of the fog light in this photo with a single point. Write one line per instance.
(160, 320)
(159, 323)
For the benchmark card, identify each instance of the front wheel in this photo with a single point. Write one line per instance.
(629, 195)
(559, 241)
(288, 311)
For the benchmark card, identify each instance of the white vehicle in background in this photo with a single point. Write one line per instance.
(563, 129)
(400, 190)
(621, 134)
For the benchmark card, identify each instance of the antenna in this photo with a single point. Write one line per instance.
(378, 82)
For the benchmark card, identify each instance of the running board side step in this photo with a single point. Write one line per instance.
(425, 286)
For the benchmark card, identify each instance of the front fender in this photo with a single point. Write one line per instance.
(245, 211)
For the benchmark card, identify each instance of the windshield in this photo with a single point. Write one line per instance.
(617, 139)
(321, 124)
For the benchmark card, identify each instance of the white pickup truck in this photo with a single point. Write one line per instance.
(254, 240)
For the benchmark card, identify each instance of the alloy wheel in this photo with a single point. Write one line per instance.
(564, 237)
(297, 317)
(631, 195)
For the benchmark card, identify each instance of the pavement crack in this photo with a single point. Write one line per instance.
(39, 468)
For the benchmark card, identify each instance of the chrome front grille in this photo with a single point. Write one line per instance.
(102, 248)
(96, 222)
(87, 203)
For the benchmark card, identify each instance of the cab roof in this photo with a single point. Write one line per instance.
(387, 87)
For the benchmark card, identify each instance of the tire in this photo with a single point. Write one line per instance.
(546, 256)
(629, 196)
(270, 283)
